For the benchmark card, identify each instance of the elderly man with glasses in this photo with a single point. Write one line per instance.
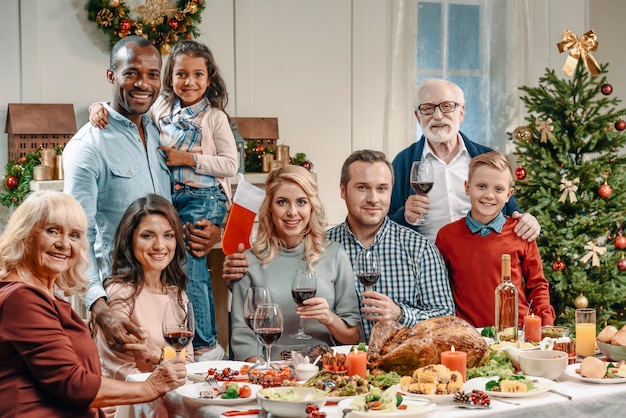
(440, 111)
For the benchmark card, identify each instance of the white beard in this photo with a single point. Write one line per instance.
(440, 136)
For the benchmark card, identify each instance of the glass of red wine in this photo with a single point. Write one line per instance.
(178, 323)
(254, 297)
(422, 179)
(268, 326)
(367, 268)
(303, 287)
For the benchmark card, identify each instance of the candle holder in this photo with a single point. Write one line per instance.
(267, 160)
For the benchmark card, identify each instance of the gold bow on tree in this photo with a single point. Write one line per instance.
(577, 49)
(569, 189)
(546, 129)
(594, 253)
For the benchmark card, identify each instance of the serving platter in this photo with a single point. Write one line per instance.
(415, 408)
(479, 383)
(571, 371)
(192, 393)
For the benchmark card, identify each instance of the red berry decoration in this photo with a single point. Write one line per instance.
(124, 25)
(306, 164)
(173, 23)
(22, 160)
(558, 265)
(606, 89)
(620, 125)
(520, 173)
(11, 182)
(620, 242)
(621, 264)
(605, 191)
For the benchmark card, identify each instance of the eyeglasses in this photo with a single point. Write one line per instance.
(445, 107)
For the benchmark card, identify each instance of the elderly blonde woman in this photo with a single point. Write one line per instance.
(291, 236)
(49, 365)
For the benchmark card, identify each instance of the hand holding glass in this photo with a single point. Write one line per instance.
(254, 297)
(422, 178)
(268, 326)
(178, 324)
(367, 269)
(303, 287)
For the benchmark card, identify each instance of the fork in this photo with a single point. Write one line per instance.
(211, 381)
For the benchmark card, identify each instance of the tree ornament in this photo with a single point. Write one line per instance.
(307, 165)
(558, 265)
(620, 125)
(114, 3)
(621, 264)
(520, 173)
(594, 253)
(605, 191)
(569, 190)
(22, 160)
(546, 128)
(173, 23)
(606, 89)
(124, 25)
(11, 182)
(619, 242)
(523, 134)
(581, 301)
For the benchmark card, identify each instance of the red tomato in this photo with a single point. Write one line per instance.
(245, 391)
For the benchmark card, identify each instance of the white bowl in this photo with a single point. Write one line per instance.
(306, 371)
(290, 408)
(549, 364)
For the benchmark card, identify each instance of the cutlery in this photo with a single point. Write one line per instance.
(346, 412)
(469, 405)
(503, 401)
(565, 395)
(238, 413)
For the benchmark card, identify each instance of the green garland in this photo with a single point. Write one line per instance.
(114, 19)
(23, 173)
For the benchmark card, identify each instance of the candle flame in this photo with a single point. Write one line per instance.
(532, 315)
(452, 348)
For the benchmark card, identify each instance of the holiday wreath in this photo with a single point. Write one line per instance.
(157, 20)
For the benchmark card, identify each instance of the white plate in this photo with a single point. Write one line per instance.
(192, 392)
(138, 377)
(544, 385)
(415, 408)
(433, 398)
(202, 367)
(571, 371)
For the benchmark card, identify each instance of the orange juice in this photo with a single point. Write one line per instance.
(585, 339)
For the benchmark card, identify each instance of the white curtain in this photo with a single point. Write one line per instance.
(527, 47)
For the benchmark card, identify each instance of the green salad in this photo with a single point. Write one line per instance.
(377, 400)
(498, 365)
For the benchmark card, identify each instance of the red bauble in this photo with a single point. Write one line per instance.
(173, 23)
(520, 173)
(620, 242)
(11, 182)
(606, 89)
(620, 125)
(605, 191)
(621, 264)
(124, 25)
(558, 265)
(306, 164)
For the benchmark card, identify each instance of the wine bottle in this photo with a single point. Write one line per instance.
(506, 305)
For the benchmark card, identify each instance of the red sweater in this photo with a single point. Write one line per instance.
(474, 269)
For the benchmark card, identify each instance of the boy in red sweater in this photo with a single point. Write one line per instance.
(472, 248)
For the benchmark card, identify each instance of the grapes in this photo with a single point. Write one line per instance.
(313, 411)
(476, 397)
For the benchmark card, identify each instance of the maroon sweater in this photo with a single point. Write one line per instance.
(49, 365)
(474, 269)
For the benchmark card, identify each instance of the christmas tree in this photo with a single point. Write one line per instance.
(570, 176)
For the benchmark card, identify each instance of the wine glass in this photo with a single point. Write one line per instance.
(422, 179)
(254, 297)
(303, 287)
(268, 326)
(178, 323)
(367, 268)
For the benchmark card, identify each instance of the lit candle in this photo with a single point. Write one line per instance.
(282, 153)
(455, 360)
(357, 363)
(532, 328)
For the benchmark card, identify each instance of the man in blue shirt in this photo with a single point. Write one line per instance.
(413, 283)
(107, 169)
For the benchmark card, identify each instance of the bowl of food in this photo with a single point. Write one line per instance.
(290, 402)
(270, 378)
(554, 332)
(549, 364)
(612, 351)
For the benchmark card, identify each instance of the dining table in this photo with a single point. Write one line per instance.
(575, 398)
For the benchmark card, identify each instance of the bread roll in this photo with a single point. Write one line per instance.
(619, 338)
(607, 333)
(593, 368)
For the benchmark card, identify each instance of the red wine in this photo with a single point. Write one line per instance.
(302, 294)
(368, 279)
(268, 336)
(178, 339)
(420, 187)
(249, 321)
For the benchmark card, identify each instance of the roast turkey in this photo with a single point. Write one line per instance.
(393, 347)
